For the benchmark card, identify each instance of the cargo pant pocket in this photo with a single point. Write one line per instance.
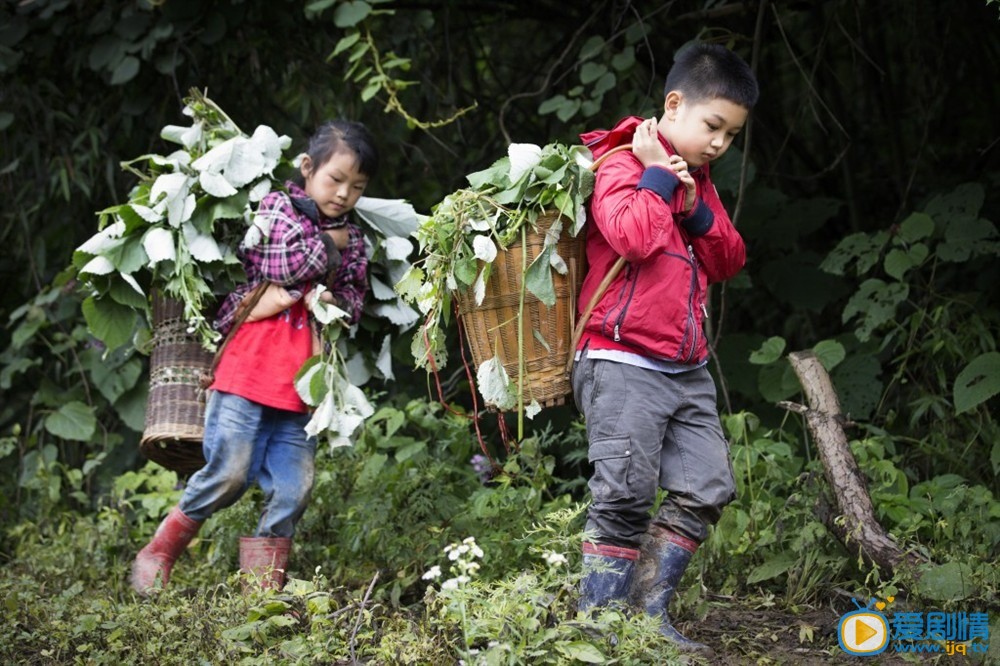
(612, 459)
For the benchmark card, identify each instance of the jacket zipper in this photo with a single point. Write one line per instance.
(691, 327)
(692, 320)
(621, 295)
(633, 276)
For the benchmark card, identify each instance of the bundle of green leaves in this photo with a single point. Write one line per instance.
(463, 236)
(178, 234)
(180, 227)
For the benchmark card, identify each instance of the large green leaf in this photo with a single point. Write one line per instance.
(110, 322)
(538, 278)
(876, 302)
(951, 581)
(349, 14)
(113, 380)
(391, 217)
(916, 227)
(830, 353)
(769, 352)
(863, 248)
(777, 381)
(74, 420)
(131, 406)
(125, 71)
(772, 568)
(977, 382)
(580, 651)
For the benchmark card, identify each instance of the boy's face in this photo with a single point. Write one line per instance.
(700, 131)
(336, 185)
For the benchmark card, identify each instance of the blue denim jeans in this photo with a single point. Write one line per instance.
(246, 443)
(649, 429)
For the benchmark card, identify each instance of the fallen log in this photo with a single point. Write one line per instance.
(853, 519)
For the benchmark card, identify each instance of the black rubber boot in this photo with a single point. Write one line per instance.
(665, 556)
(607, 575)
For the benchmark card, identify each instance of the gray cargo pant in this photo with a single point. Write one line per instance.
(647, 429)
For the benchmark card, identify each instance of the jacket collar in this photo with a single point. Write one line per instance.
(601, 141)
(305, 205)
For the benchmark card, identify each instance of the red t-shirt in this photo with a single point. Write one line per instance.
(261, 360)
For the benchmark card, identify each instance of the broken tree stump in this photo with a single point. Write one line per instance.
(858, 528)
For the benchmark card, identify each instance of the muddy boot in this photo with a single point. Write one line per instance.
(607, 575)
(264, 559)
(158, 557)
(665, 556)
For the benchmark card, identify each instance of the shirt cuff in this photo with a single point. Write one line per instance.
(659, 180)
(699, 220)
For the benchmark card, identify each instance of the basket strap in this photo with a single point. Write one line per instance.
(605, 283)
(603, 158)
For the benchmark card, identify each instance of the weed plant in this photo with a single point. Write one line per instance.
(410, 554)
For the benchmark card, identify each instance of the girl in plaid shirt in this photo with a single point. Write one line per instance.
(255, 421)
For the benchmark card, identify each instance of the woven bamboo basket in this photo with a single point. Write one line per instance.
(175, 409)
(491, 328)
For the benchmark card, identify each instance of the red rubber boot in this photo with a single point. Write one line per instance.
(158, 557)
(265, 560)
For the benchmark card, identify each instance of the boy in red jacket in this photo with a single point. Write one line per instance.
(641, 379)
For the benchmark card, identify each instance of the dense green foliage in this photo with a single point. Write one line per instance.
(866, 187)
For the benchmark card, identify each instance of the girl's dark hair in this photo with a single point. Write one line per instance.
(337, 135)
(709, 71)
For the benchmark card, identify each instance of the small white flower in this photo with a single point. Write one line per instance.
(454, 555)
(450, 584)
(432, 573)
(554, 559)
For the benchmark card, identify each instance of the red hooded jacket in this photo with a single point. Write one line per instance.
(656, 305)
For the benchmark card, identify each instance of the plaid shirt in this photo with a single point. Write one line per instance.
(293, 255)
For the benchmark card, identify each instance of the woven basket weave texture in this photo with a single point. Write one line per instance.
(491, 328)
(175, 409)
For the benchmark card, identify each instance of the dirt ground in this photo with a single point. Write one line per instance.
(742, 636)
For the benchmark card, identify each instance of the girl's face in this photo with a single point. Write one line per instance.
(336, 184)
(701, 132)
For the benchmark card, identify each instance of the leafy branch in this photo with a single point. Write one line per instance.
(373, 68)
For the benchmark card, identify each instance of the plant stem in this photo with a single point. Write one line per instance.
(520, 338)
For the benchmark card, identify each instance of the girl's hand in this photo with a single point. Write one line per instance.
(325, 296)
(646, 145)
(680, 168)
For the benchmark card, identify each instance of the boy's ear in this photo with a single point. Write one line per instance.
(672, 103)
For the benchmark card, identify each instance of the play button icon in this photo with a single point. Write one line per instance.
(863, 631)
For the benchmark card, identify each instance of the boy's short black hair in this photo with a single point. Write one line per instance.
(710, 71)
(334, 136)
